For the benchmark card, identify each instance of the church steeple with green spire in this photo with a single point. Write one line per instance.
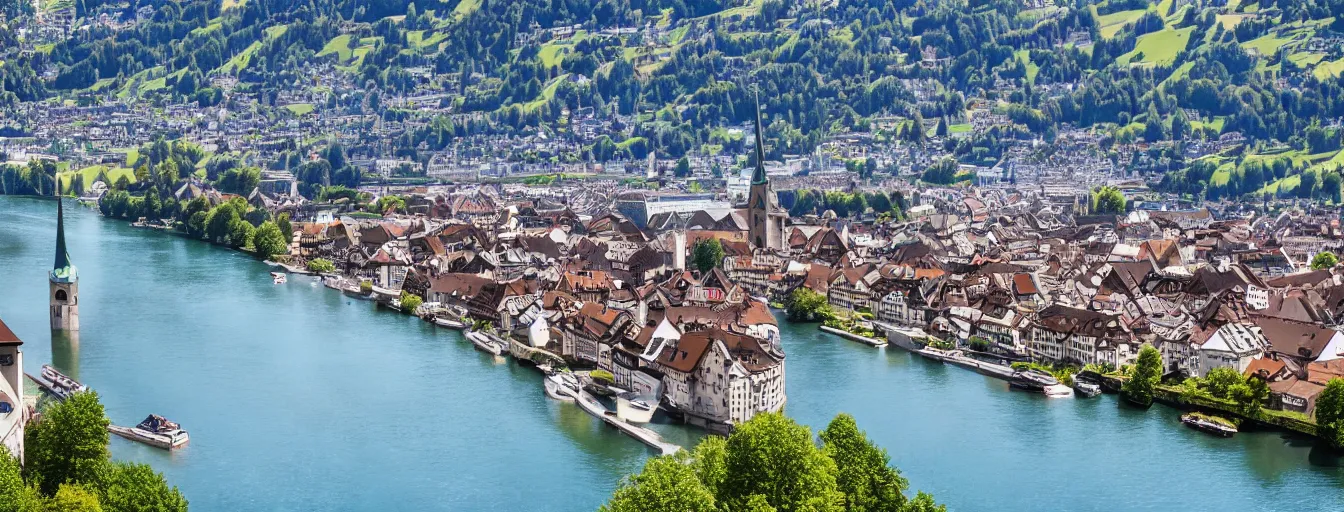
(64, 297)
(62, 270)
(765, 221)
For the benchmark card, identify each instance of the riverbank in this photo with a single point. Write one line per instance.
(295, 355)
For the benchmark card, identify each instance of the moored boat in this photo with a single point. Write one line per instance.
(278, 277)
(1208, 425)
(485, 343)
(1085, 388)
(1032, 380)
(59, 384)
(154, 431)
(635, 408)
(449, 323)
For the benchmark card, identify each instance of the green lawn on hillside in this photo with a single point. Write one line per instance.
(299, 109)
(339, 45)
(88, 174)
(1159, 48)
(1113, 22)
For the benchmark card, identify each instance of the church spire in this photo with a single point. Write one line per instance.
(758, 176)
(62, 256)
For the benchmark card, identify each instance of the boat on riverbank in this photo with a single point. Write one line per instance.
(58, 384)
(561, 386)
(1032, 380)
(486, 343)
(635, 408)
(1208, 424)
(1086, 388)
(278, 277)
(155, 431)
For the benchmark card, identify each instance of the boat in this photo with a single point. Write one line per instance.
(1057, 391)
(155, 431)
(278, 277)
(60, 385)
(485, 344)
(635, 408)
(1032, 380)
(561, 386)
(449, 323)
(1085, 388)
(1204, 424)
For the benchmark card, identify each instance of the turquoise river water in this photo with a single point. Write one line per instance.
(298, 398)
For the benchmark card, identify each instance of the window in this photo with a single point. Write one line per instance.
(61, 296)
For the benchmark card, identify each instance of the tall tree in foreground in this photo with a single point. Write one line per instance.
(863, 472)
(1324, 260)
(772, 464)
(775, 457)
(69, 444)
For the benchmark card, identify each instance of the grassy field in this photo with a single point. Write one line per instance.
(299, 109)
(1329, 69)
(1024, 56)
(88, 174)
(339, 45)
(1113, 22)
(240, 61)
(1267, 44)
(958, 128)
(1159, 48)
(466, 7)
(546, 94)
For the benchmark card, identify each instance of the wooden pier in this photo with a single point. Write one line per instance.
(590, 404)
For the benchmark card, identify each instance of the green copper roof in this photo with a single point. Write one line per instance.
(62, 270)
(758, 176)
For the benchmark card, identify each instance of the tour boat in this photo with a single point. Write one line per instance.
(278, 277)
(1208, 426)
(59, 384)
(1085, 388)
(154, 431)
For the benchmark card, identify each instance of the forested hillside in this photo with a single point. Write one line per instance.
(1135, 70)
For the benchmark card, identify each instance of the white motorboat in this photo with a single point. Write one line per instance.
(59, 384)
(485, 344)
(443, 321)
(561, 386)
(635, 408)
(154, 431)
(278, 277)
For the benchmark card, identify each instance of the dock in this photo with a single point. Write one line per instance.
(872, 342)
(592, 406)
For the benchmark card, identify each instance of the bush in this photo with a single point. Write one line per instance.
(602, 375)
(410, 301)
(321, 266)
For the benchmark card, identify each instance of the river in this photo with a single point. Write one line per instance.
(299, 398)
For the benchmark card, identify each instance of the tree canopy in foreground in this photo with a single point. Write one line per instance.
(771, 463)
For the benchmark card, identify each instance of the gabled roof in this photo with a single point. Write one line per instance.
(7, 337)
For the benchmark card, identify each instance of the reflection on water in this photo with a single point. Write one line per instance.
(65, 352)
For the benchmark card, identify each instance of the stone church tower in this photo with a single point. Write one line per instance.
(765, 220)
(64, 279)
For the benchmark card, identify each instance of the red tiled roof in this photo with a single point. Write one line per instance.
(7, 337)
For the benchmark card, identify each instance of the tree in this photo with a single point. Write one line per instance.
(665, 485)
(134, 486)
(1108, 200)
(709, 460)
(863, 472)
(806, 305)
(1324, 260)
(1330, 413)
(707, 254)
(269, 241)
(1250, 395)
(15, 496)
(410, 301)
(286, 227)
(1220, 380)
(390, 203)
(775, 457)
(240, 234)
(321, 266)
(69, 444)
(1138, 389)
(73, 498)
(683, 168)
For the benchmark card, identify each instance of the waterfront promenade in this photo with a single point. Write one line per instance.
(312, 400)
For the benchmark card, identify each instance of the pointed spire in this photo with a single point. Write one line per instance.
(62, 257)
(758, 176)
